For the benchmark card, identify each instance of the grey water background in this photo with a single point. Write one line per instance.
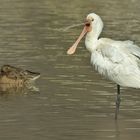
(73, 102)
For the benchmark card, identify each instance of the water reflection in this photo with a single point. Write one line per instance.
(6, 89)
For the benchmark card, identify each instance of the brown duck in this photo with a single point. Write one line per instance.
(12, 75)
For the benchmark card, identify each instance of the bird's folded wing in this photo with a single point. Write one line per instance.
(118, 51)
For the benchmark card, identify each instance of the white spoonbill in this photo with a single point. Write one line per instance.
(119, 61)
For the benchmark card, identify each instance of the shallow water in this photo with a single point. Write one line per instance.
(73, 102)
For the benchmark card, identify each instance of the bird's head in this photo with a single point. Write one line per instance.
(93, 22)
(93, 26)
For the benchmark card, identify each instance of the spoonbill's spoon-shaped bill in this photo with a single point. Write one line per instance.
(86, 29)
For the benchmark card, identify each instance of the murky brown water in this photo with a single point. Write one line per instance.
(74, 102)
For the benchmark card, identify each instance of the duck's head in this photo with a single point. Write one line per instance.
(7, 68)
(18, 74)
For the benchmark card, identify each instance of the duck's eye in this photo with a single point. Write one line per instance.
(92, 19)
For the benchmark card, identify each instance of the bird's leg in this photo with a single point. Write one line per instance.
(118, 100)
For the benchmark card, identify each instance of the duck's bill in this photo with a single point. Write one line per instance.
(32, 75)
(72, 49)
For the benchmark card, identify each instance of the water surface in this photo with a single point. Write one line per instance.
(73, 102)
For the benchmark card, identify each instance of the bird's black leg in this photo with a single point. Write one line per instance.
(118, 100)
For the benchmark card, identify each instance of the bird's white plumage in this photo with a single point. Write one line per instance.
(117, 60)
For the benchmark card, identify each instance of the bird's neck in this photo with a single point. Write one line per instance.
(92, 37)
(91, 40)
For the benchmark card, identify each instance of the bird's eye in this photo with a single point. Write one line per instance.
(92, 19)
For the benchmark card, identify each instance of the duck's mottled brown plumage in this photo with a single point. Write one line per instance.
(18, 76)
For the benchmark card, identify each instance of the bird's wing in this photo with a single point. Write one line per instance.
(118, 61)
(110, 50)
(118, 51)
(133, 49)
